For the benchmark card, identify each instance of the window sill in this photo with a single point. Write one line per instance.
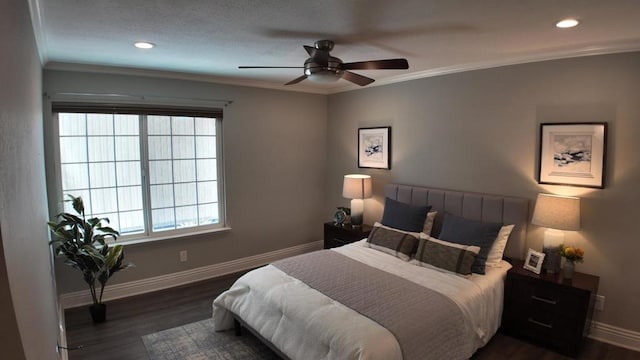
(173, 236)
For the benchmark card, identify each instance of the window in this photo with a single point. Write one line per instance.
(152, 173)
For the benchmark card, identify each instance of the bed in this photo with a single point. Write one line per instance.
(357, 302)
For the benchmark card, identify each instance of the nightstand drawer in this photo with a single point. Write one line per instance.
(552, 331)
(547, 298)
(536, 322)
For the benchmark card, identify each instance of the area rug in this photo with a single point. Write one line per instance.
(198, 341)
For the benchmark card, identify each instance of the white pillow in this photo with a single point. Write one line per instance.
(428, 222)
(497, 249)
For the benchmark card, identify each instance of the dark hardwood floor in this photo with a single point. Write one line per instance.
(131, 318)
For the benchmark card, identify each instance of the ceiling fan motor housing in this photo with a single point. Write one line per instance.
(325, 45)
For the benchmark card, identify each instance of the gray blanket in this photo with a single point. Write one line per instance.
(426, 324)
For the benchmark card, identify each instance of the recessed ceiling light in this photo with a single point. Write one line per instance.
(567, 23)
(143, 45)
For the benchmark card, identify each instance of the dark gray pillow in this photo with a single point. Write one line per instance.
(470, 232)
(446, 255)
(396, 243)
(403, 216)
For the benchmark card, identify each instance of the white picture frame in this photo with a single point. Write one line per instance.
(533, 261)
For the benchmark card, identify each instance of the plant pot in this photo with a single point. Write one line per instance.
(98, 313)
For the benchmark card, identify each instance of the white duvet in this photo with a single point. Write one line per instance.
(305, 324)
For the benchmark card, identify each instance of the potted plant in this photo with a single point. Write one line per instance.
(83, 243)
(572, 256)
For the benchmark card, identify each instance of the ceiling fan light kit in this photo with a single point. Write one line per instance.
(321, 67)
(323, 74)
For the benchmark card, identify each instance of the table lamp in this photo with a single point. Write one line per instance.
(357, 187)
(556, 213)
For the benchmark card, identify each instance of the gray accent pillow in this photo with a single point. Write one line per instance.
(445, 255)
(391, 241)
(470, 232)
(399, 215)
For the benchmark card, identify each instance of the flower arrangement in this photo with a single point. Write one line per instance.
(572, 254)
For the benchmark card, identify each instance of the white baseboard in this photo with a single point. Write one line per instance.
(615, 336)
(138, 287)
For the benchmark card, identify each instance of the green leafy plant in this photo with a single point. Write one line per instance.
(83, 242)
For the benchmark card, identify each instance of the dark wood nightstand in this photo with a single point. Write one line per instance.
(338, 235)
(547, 309)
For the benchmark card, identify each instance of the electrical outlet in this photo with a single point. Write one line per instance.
(183, 256)
(599, 302)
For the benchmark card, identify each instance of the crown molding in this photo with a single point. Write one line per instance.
(35, 10)
(116, 70)
(552, 54)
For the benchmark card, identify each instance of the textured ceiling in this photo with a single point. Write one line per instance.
(208, 39)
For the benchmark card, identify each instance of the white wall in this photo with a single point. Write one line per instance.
(274, 153)
(23, 210)
(478, 131)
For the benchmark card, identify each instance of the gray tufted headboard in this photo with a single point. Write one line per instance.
(473, 206)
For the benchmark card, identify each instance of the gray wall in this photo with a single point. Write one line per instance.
(25, 267)
(475, 131)
(274, 152)
(478, 131)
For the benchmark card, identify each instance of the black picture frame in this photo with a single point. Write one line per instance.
(374, 147)
(573, 154)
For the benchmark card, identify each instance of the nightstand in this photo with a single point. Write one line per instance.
(338, 235)
(547, 309)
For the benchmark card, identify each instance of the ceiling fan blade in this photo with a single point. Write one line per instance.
(296, 80)
(356, 78)
(391, 64)
(270, 67)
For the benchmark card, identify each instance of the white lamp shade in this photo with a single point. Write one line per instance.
(357, 187)
(557, 212)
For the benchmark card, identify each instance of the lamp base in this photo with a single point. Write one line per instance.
(357, 207)
(552, 241)
(551, 263)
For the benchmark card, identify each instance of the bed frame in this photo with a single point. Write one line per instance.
(238, 324)
(473, 206)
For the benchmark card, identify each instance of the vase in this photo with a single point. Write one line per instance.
(98, 312)
(568, 269)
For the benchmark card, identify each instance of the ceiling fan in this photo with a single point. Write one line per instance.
(322, 67)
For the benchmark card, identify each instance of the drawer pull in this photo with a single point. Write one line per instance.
(552, 302)
(549, 326)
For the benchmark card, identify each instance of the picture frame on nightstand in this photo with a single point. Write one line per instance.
(533, 261)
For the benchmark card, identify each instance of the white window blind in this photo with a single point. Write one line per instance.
(150, 171)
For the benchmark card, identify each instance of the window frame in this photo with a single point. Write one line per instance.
(56, 202)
